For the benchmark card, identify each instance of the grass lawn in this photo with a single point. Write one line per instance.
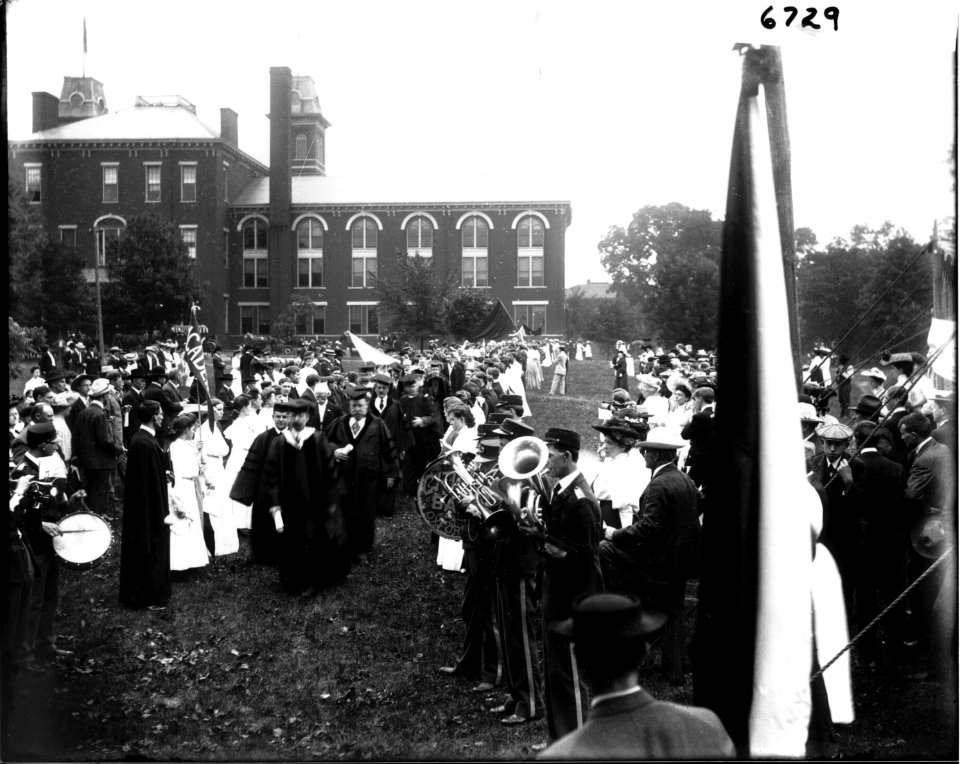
(234, 669)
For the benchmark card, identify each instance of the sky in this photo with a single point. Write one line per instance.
(615, 104)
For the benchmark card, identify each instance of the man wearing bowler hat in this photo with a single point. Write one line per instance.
(654, 557)
(609, 634)
(572, 552)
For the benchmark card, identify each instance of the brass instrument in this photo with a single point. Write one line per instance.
(524, 461)
(448, 486)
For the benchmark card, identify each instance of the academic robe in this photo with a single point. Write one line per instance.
(144, 537)
(249, 488)
(300, 479)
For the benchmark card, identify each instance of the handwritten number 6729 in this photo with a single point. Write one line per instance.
(831, 13)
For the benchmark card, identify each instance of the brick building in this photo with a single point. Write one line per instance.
(259, 234)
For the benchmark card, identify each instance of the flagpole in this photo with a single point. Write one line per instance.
(84, 46)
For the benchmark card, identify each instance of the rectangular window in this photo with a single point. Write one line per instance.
(474, 268)
(530, 267)
(254, 270)
(533, 316)
(33, 182)
(108, 239)
(188, 233)
(188, 182)
(364, 319)
(255, 319)
(226, 248)
(111, 190)
(226, 313)
(364, 268)
(152, 172)
(226, 182)
(313, 323)
(68, 236)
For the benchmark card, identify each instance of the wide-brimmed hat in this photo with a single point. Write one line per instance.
(809, 414)
(65, 400)
(649, 380)
(77, 380)
(510, 401)
(608, 618)
(616, 427)
(99, 387)
(663, 440)
(874, 373)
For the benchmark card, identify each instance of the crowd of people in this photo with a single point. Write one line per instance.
(301, 456)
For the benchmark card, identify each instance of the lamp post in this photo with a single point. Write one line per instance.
(96, 279)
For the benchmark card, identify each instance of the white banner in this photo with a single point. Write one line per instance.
(941, 331)
(370, 354)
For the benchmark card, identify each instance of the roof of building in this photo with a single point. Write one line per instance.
(170, 120)
(324, 189)
(593, 290)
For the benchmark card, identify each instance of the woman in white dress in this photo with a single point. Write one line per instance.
(216, 503)
(619, 483)
(187, 547)
(534, 374)
(269, 398)
(579, 353)
(512, 381)
(236, 386)
(587, 350)
(241, 433)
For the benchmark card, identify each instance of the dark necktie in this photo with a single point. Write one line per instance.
(355, 427)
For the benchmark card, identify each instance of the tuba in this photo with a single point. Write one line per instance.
(447, 486)
(524, 461)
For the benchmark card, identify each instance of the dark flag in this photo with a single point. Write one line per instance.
(197, 365)
(753, 643)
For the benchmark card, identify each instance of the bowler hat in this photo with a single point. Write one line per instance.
(609, 618)
(868, 405)
(567, 440)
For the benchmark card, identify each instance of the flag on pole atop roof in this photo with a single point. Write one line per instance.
(753, 645)
(193, 355)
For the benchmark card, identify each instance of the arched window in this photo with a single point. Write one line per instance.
(530, 252)
(255, 253)
(474, 239)
(310, 253)
(301, 146)
(363, 237)
(420, 237)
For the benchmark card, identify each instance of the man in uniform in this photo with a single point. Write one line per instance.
(572, 549)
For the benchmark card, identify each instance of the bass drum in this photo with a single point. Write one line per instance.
(438, 508)
(86, 538)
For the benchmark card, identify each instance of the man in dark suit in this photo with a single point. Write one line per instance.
(609, 633)
(327, 410)
(931, 498)
(170, 407)
(47, 361)
(458, 373)
(654, 557)
(364, 451)
(389, 411)
(572, 569)
(94, 448)
(700, 431)
(421, 413)
(312, 381)
(843, 531)
(878, 502)
(151, 359)
(132, 398)
(896, 404)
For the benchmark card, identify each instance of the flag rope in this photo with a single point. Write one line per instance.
(886, 610)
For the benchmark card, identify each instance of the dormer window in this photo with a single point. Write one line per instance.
(301, 146)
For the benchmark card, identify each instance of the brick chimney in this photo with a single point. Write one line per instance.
(281, 192)
(46, 108)
(228, 126)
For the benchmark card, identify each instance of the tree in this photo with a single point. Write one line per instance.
(153, 281)
(47, 288)
(667, 261)
(298, 306)
(23, 342)
(464, 311)
(612, 320)
(413, 298)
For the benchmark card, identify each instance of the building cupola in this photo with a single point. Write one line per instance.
(81, 98)
(307, 128)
